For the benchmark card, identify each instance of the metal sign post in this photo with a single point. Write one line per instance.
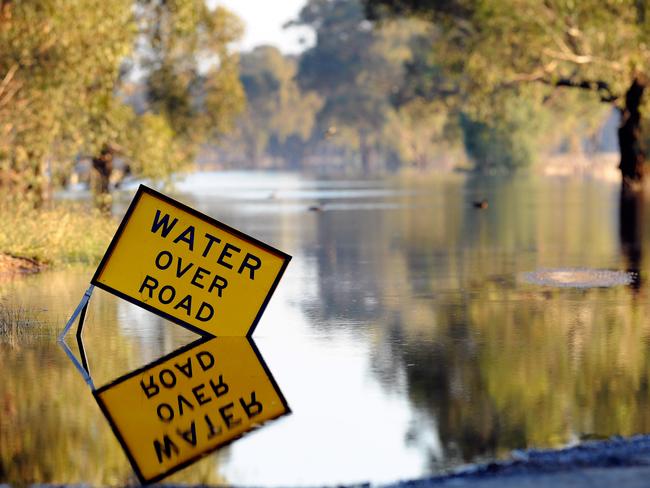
(80, 312)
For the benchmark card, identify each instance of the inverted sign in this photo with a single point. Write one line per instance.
(189, 268)
(174, 411)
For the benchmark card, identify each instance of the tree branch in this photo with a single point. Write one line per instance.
(600, 87)
(8, 77)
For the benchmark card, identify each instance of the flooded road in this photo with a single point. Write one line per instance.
(402, 336)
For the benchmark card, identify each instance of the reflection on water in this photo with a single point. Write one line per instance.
(186, 404)
(401, 334)
(579, 278)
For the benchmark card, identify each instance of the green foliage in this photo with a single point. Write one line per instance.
(422, 134)
(481, 48)
(279, 115)
(192, 76)
(507, 138)
(355, 68)
(399, 94)
(500, 43)
(57, 75)
(368, 95)
(335, 100)
(154, 152)
(60, 82)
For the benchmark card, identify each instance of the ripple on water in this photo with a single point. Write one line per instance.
(578, 277)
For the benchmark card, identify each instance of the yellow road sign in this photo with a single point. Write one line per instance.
(176, 410)
(189, 268)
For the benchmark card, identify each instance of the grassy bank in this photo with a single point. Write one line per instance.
(57, 234)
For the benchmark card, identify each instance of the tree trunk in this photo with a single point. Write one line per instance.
(629, 135)
(103, 166)
(36, 187)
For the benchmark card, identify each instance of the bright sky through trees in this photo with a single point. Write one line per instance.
(264, 20)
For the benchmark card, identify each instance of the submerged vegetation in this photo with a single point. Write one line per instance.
(12, 320)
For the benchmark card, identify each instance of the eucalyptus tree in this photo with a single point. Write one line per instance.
(485, 47)
(356, 68)
(54, 74)
(184, 59)
(63, 70)
(279, 116)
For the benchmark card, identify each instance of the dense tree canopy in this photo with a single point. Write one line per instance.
(62, 86)
(145, 84)
(332, 106)
(191, 74)
(56, 76)
(485, 47)
(402, 93)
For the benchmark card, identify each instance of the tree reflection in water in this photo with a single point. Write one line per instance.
(497, 364)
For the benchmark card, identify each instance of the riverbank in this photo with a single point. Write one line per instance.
(593, 464)
(61, 233)
(12, 265)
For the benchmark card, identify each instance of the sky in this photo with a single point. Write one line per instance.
(263, 21)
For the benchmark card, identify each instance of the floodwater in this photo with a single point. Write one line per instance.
(412, 332)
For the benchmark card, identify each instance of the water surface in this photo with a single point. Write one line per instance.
(402, 335)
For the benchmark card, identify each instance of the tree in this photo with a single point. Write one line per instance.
(355, 67)
(597, 46)
(506, 138)
(193, 91)
(192, 76)
(62, 84)
(53, 74)
(279, 117)
(422, 134)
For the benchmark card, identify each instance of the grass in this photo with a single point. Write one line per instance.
(13, 322)
(61, 233)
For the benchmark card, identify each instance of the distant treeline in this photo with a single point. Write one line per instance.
(377, 96)
(145, 87)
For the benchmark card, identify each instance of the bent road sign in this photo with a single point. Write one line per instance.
(189, 268)
(189, 403)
